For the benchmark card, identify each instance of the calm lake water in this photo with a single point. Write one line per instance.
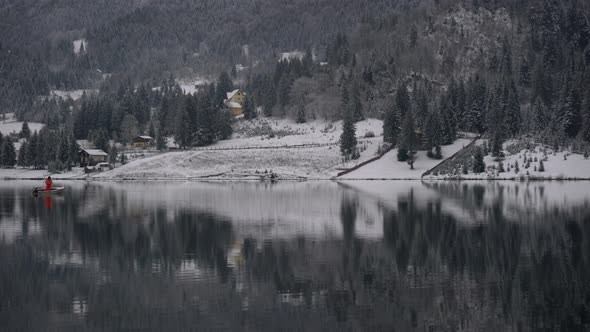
(359, 256)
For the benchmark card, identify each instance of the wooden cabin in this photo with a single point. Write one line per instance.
(91, 157)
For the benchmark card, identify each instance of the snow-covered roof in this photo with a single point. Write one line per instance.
(233, 104)
(292, 55)
(144, 137)
(230, 95)
(95, 152)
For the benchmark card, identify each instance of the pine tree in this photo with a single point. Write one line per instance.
(73, 151)
(413, 36)
(540, 115)
(512, 115)
(32, 150)
(183, 134)
(270, 94)
(391, 126)
(62, 148)
(223, 124)
(541, 166)
(402, 100)
(8, 153)
(570, 105)
(496, 145)
(101, 139)
(525, 73)
(448, 121)
(476, 105)
(550, 29)
(22, 155)
(344, 101)
(25, 132)
(432, 134)
(160, 140)
(301, 111)
(113, 154)
(355, 103)
(585, 130)
(224, 85)
(408, 142)
(205, 133)
(129, 129)
(249, 108)
(283, 91)
(152, 130)
(479, 165)
(348, 137)
(542, 85)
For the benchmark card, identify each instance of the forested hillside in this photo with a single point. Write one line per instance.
(502, 68)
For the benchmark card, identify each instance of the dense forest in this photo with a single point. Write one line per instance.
(430, 69)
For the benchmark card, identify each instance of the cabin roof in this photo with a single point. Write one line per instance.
(95, 152)
(142, 138)
(230, 95)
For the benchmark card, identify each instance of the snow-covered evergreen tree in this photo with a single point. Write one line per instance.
(432, 134)
(249, 108)
(25, 132)
(391, 125)
(301, 111)
(479, 165)
(407, 143)
(8, 153)
(348, 139)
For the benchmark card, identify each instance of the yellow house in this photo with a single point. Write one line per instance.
(142, 142)
(235, 102)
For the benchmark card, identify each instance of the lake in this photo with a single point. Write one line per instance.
(296, 256)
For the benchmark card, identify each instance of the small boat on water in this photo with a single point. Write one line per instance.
(54, 190)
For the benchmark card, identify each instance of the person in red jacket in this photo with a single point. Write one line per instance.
(48, 183)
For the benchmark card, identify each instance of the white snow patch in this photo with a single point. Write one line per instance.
(293, 55)
(192, 86)
(77, 44)
(74, 94)
(389, 168)
(560, 165)
(12, 126)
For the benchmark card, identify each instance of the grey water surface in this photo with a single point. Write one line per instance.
(296, 256)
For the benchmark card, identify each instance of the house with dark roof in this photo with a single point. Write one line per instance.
(91, 157)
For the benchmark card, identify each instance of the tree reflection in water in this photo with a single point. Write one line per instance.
(96, 261)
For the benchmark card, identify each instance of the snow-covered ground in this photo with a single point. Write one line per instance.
(27, 173)
(263, 132)
(389, 168)
(190, 86)
(11, 125)
(257, 149)
(74, 94)
(560, 165)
